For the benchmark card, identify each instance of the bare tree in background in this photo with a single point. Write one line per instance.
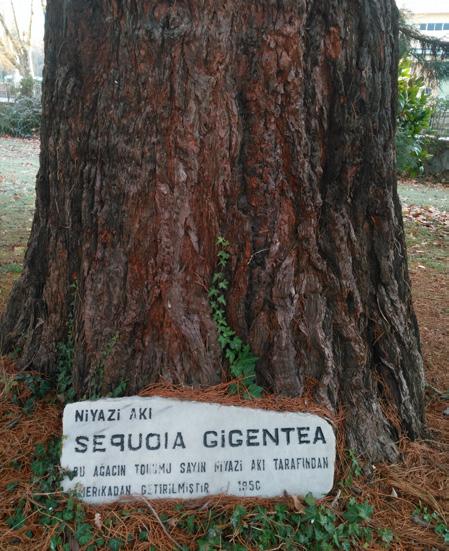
(15, 43)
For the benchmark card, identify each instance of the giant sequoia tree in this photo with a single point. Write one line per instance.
(168, 123)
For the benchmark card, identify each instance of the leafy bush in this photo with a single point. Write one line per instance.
(414, 114)
(22, 118)
(27, 86)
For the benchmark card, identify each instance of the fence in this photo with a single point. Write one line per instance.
(9, 91)
(439, 123)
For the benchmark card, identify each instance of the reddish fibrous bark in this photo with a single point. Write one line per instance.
(271, 123)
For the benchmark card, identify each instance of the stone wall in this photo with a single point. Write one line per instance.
(438, 164)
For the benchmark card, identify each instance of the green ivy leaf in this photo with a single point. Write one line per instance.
(357, 512)
(255, 390)
(84, 533)
(386, 535)
(114, 544)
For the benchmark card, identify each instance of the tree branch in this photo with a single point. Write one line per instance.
(435, 46)
(13, 9)
(15, 43)
(20, 43)
(30, 23)
(8, 56)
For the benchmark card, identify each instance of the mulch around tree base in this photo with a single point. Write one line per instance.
(395, 491)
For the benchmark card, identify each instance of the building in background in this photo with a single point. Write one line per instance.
(433, 22)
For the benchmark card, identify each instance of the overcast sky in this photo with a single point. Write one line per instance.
(418, 6)
(22, 8)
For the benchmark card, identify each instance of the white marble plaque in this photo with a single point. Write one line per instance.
(163, 448)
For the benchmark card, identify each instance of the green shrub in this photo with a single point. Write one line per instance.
(27, 86)
(414, 114)
(22, 118)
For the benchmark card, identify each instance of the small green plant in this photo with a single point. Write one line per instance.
(386, 536)
(64, 364)
(95, 386)
(433, 519)
(21, 118)
(15, 354)
(65, 352)
(242, 362)
(27, 86)
(354, 471)
(11, 268)
(119, 390)
(37, 387)
(414, 115)
(53, 509)
(17, 519)
(315, 528)
(46, 473)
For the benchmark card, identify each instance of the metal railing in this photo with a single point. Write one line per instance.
(439, 123)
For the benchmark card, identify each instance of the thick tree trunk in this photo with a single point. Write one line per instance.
(167, 124)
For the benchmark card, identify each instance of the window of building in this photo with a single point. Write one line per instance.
(446, 27)
(438, 26)
(430, 26)
(422, 26)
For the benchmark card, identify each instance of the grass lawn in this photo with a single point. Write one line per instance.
(19, 163)
(425, 195)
